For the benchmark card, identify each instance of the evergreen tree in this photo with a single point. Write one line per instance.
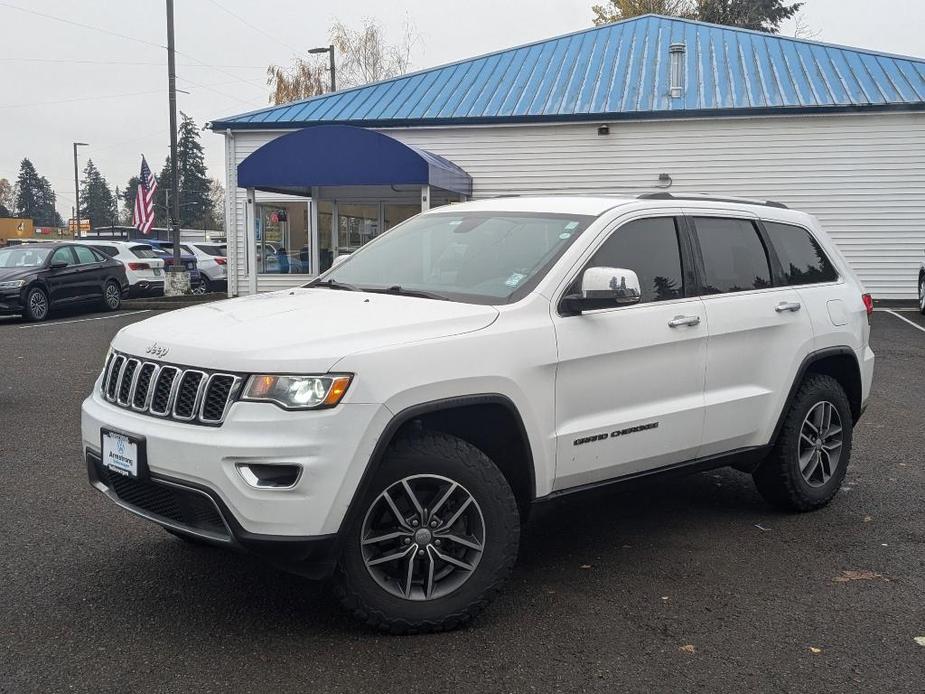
(758, 15)
(96, 199)
(35, 198)
(196, 205)
(128, 199)
(6, 198)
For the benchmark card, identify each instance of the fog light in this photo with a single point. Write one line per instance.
(269, 476)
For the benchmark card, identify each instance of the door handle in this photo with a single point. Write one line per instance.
(679, 321)
(792, 306)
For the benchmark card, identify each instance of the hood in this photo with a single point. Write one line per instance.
(297, 330)
(8, 274)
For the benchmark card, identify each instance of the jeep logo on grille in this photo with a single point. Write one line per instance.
(157, 350)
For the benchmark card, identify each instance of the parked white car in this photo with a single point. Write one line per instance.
(144, 268)
(394, 422)
(922, 288)
(211, 257)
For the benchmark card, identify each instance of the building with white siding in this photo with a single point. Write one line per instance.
(646, 104)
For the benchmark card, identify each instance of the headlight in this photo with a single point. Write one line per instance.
(297, 392)
(12, 284)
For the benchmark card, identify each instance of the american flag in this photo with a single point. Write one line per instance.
(144, 199)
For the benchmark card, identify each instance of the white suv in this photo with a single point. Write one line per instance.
(394, 421)
(144, 268)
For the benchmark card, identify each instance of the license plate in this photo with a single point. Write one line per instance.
(157, 272)
(122, 453)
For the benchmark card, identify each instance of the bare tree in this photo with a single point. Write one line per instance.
(363, 55)
(307, 77)
(367, 56)
(802, 30)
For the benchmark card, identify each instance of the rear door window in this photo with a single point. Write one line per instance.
(801, 257)
(650, 248)
(734, 257)
(107, 250)
(85, 255)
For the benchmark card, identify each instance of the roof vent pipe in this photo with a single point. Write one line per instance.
(676, 53)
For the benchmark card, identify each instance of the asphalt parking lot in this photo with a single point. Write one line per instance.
(693, 584)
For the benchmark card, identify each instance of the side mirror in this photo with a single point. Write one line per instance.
(604, 287)
(58, 266)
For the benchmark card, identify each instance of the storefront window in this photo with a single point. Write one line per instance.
(356, 226)
(396, 214)
(283, 239)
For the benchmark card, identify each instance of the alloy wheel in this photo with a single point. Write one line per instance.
(423, 537)
(113, 296)
(922, 295)
(820, 444)
(38, 305)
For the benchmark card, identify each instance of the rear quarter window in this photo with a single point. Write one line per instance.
(801, 257)
(107, 251)
(144, 252)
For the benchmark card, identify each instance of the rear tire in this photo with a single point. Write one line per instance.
(454, 538)
(922, 294)
(37, 305)
(809, 460)
(112, 296)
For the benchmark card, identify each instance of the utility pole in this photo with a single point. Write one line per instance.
(77, 190)
(179, 283)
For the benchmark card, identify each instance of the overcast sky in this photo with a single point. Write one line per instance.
(60, 82)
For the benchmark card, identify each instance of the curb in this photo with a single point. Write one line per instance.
(168, 303)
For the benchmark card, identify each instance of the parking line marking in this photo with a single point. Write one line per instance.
(82, 320)
(906, 320)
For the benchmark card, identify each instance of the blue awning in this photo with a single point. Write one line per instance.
(344, 155)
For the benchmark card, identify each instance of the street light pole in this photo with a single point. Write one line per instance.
(179, 283)
(330, 50)
(77, 190)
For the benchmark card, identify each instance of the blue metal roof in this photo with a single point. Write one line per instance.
(342, 155)
(621, 70)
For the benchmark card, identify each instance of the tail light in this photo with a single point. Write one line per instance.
(868, 303)
(221, 261)
(139, 266)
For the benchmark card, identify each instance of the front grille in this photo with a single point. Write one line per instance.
(180, 506)
(165, 390)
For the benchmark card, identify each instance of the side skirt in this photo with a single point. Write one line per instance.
(743, 459)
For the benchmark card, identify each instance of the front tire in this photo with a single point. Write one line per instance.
(433, 540)
(37, 305)
(810, 457)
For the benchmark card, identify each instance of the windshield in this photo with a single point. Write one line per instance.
(473, 257)
(23, 257)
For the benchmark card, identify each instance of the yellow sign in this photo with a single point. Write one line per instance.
(84, 226)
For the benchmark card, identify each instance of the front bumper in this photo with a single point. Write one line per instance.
(331, 446)
(11, 301)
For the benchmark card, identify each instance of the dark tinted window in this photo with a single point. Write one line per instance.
(217, 251)
(62, 255)
(648, 247)
(144, 252)
(734, 259)
(85, 255)
(801, 258)
(108, 250)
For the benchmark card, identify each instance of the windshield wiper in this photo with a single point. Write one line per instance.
(419, 293)
(334, 284)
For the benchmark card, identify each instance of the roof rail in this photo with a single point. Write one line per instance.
(706, 197)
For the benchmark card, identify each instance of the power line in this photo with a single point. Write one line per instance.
(81, 61)
(296, 51)
(127, 38)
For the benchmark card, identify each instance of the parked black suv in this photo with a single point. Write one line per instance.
(36, 278)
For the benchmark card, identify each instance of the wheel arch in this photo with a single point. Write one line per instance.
(489, 421)
(841, 363)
